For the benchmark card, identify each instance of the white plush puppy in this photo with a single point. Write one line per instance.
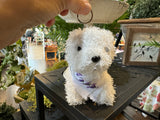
(89, 53)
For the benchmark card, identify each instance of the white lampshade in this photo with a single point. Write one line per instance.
(104, 11)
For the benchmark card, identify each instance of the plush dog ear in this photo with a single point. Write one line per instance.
(75, 35)
(73, 41)
(110, 40)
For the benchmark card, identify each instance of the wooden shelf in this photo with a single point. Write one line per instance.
(145, 20)
(17, 116)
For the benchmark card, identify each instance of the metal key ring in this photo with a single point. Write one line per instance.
(87, 21)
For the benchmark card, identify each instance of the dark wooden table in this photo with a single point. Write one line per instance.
(129, 82)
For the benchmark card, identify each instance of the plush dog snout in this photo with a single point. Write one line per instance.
(96, 59)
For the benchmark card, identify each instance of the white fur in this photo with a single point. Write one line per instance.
(93, 42)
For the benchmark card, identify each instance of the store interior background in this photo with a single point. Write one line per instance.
(37, 55)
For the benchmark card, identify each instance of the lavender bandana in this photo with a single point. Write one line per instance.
(79, 77)
(85, 89)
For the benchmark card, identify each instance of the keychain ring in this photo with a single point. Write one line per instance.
(87, 21)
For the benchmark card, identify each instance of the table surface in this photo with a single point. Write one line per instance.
(129, 83)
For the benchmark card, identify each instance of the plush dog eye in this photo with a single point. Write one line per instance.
(79, 48)
(106, 49)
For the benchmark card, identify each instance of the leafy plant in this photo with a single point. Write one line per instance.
(146, 9)
(23, 94)
(24, 87)
(13, 72)
(10, 64)
(58, 65)
(6, 112)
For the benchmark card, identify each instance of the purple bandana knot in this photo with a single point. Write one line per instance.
(79, 77)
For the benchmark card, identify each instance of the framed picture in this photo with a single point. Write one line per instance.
(136, 52)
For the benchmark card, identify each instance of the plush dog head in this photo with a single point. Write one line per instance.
(90, 49)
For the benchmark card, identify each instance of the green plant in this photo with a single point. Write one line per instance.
(146, 9)
(24, 87)
(23, 94)
(58, 65)
(11, 72)
(6, 112)
(10, 64)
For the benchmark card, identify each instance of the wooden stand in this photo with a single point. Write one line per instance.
(50, 114)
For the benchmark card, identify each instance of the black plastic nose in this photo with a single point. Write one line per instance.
(96, 59)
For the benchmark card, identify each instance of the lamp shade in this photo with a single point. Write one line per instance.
(104, 11)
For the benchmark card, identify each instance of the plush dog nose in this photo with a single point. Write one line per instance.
(96, 59)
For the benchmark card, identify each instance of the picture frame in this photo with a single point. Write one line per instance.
(136, 53)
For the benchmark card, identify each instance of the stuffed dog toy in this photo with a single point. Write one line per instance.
(89, 53)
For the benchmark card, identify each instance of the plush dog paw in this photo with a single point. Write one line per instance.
(110, 97)
(74, 100)
(107, 97)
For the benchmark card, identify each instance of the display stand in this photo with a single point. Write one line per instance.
(51, 53)
(129, 82)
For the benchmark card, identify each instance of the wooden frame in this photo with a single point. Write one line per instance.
(136, 53)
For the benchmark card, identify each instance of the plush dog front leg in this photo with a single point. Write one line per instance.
(108, 94)
(72, 96)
